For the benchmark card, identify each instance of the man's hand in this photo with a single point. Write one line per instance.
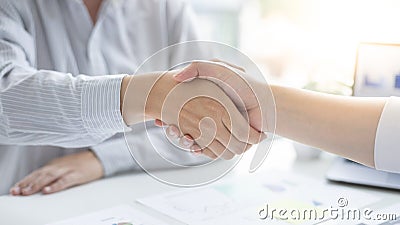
(60, 174)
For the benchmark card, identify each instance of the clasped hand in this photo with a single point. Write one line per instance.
(218, 117)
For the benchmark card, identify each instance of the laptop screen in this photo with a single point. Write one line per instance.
(377, 72)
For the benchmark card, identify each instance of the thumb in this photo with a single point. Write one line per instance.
(187, 74)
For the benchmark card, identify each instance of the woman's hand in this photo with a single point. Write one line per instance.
(60, 174)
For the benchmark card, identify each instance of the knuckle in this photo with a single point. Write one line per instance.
(228, 155)
(35, 187)
(236, 147)
(63, 181)
(21, 184)
(236, 150)
(50, 174)
(218, 149)
(243, 137)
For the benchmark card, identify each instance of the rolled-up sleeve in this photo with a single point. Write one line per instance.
(387, 141)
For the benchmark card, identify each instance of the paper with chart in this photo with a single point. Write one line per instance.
(120, 215)
(239, 201)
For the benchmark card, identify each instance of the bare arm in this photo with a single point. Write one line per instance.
(345, 126)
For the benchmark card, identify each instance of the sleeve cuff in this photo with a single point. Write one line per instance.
(114, 156)
(387, 141)
(101, 104)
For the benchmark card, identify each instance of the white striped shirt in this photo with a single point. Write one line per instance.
(50, 92)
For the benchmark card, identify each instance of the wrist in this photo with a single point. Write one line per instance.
(158, 93)
(142, 96)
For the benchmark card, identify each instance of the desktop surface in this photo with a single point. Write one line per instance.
(125, 189)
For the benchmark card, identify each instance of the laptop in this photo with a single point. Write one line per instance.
(377, 74)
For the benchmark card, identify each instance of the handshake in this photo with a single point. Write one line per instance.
(211, 108)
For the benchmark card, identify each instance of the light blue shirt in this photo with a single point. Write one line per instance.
(59, 78)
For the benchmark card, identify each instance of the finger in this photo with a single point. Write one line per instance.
(202, 132)
(15, 190)
(66, 181)
(160, 123)
(195, 149)
(229, 64)
(240, 128)
(24, 185)
(44, 177)
(230, 142)
(44, 180)
(220, 150)
(173, 132)
(232, 82)
(27, 180)
(217, 72)
(32, 187)
(209, 153)
(186, 142)
(188, 73)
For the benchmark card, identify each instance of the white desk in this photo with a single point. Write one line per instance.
(106, 193)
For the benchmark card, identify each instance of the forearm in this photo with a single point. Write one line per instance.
(344, 126)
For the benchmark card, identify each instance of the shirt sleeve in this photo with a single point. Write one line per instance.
(149, 143)
(115, 155)
(387, 141)
(39, 107)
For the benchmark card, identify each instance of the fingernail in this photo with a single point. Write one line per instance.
(197, 152)
(47, 189)
(15, 190)
(173, 132)
(186, 142)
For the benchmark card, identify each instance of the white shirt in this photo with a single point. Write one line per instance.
(387, 141)
(50, 91)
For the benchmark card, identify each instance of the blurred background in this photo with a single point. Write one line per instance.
(309, 44)
(301, 43)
